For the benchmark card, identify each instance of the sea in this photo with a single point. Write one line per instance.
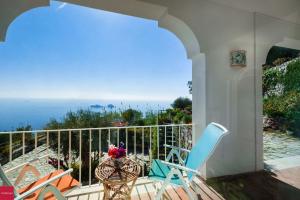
(16, 113)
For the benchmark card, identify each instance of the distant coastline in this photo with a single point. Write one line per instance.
(37, 112)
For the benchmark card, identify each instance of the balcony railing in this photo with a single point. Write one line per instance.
(83, 149)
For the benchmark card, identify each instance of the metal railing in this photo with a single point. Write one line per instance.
(83, 148)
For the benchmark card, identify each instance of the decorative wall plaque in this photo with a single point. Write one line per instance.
(238, 58)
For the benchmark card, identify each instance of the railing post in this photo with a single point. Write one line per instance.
(172, 141)
(118, 135)
(135, 142)
(143, 161)
(127, 141)
(150, 153)
(35, 144)
(80, 133)
(100, 151)
(47, 141)
(10, 147)
(90, 157)
(157, 142)
(179, 133)
(172, 135)
(23, 146)
(165, 142)
(70, 148)
(58, 149)
(109, 136)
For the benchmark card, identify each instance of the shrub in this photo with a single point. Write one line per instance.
(281, 87)
(284, 109)
(292, 77)
(272, 78)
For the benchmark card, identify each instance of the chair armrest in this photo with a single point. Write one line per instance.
(177, 148)
(29, 192)
(181, 167)
(176, 151)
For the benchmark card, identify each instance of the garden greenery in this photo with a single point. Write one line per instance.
(281, 90)
(179, 113)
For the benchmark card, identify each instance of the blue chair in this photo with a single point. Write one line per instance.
(171, 173)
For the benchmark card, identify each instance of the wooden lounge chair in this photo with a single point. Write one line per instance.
(49, 187)
(171, 173)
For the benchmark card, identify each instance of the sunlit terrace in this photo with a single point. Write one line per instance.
(83, 149)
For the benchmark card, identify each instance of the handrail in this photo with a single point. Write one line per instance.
(87, 129)
(182, 167)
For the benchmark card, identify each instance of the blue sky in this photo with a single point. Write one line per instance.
(72, 52)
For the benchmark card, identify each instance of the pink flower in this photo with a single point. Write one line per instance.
(113, 151)
(121, 152)
(116, 152)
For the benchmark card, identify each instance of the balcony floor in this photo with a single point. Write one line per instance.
(283, 184)
(144, 190)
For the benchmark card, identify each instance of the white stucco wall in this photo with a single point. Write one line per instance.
(234, 95)
(230, 91)
(230, 96)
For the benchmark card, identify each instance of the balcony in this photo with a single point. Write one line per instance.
(83, 149)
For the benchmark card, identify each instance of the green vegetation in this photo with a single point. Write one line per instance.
(16, 143)
(190, 86)
(281, 90)
(179, 113)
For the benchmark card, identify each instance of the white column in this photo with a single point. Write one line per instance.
(199, 95)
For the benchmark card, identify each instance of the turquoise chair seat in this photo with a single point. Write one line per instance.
(159, 171)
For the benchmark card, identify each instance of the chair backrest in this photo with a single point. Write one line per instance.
(6, 181)
(205, 146)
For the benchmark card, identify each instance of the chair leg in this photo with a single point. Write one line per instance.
(186, 187)
(160, 193)
(167, 182)
(155, 186)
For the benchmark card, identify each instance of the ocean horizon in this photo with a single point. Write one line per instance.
(16, 113)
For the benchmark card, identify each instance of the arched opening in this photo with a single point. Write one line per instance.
(281, 106)
(193, 52)
(165, 20)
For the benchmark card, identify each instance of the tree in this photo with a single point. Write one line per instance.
(292, 77)
(182, 103)
(133, 117)
(190, 85)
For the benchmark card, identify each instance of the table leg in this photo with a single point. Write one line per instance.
(106, 192)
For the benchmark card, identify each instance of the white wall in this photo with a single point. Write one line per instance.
(230, 91)
(234, 95)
